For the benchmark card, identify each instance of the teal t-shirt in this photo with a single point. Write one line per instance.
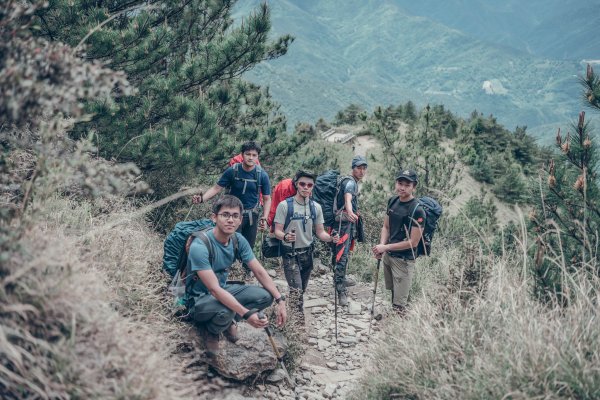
(224, 257)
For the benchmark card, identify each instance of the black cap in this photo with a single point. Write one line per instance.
(357, 161)
(408, 174)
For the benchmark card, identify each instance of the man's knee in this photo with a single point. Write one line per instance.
(223, 317)
(262, 298)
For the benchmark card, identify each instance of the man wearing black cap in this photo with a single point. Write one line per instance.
(400, 235)
(346, 220)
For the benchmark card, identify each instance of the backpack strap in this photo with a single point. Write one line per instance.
(342, 182)
(412, 216)
(236, 247)
(258, 174)
(290, 212)
(202, 236)
(257, 178)
(209, 246)
(313, 210)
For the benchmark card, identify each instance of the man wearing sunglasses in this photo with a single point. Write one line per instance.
(214, 304)
(295, 227)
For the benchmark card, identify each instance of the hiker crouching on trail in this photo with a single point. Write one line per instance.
(294, 221)
(400, 235)
(213, 303)
(347, 220)
(246, 181)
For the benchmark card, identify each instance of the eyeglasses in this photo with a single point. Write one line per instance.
(226, 216)
(306, 184)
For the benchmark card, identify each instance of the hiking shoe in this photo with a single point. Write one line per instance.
(211, 343)
(399, 310)
(349, 282)
(231, 333)
(342, 298)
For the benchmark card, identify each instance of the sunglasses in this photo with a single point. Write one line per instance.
(306, 184)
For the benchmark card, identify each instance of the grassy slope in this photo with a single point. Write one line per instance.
(88, 318)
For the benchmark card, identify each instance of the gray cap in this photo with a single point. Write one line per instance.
(408, 174)
(357, 161)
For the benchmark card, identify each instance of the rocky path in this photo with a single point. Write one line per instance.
(336, 365)
(328, 369)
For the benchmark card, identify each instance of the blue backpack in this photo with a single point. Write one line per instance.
(433, 212)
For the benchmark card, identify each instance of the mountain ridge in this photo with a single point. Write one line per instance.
(372, 53)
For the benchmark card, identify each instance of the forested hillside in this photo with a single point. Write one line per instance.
(379, 53)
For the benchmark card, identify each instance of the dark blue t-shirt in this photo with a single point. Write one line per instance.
(245, 186)
(223, 258)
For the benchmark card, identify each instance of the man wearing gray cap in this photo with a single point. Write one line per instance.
(400, 235)
(346, 220)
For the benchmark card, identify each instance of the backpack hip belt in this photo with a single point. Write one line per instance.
(250, 212)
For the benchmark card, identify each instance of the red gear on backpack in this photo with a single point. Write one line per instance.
(282, 191)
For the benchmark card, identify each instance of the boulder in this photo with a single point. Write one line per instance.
(250, 356)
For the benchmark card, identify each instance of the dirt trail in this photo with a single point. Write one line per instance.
(329, 369)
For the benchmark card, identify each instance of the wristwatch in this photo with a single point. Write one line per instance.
(280, 299)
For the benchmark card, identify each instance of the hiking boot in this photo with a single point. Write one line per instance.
(231, 333)
(349, 282)
(211, 344)
(342, 298)
(399, 310)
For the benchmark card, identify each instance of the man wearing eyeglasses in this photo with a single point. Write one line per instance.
(296, 227)
(213, 303)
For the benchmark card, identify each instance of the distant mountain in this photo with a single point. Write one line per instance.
(560, 29)
(377, 52)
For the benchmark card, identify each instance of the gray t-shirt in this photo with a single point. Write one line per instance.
(352, 188)
(303, 225)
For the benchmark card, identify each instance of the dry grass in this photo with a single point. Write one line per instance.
(500, 343)
(85, 318)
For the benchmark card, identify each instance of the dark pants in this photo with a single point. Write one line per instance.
(248, 230)
(213, 315)
(297, 271)
(340, 252)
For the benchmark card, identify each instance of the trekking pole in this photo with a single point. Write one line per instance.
(335, 292)
(262, 253)
(374, 293)
(261, 315)
(335, 301)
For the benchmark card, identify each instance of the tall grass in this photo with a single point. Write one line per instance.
(81, 313)
(498, 342)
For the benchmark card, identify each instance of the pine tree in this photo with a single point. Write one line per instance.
(191, 110)
(567, 216)
(417, 148)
